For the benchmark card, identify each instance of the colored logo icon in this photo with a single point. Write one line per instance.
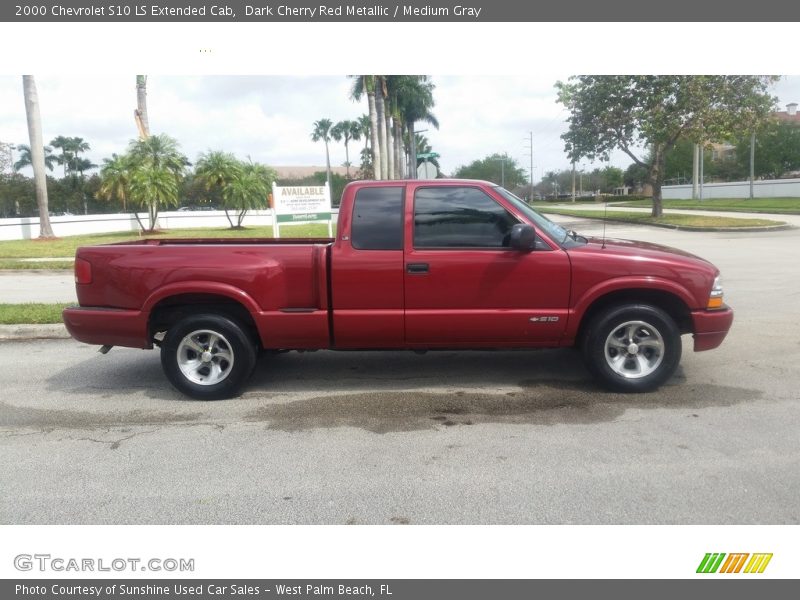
(734, 563)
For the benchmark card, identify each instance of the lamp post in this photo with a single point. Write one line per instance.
(502, 160)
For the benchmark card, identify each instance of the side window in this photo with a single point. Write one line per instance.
(462, 217)
(378, 219)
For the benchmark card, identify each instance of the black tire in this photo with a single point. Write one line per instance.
(632, 348)
(227, 359)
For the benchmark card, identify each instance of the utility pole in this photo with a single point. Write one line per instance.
(702, 173)
(752, 162)
(530, 154)
(573, 181)
(502, 160)
(695, 170)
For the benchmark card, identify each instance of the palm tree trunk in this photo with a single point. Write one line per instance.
(153, 217)
(347, 157)
(328, 164)
(389, 147)
(37, 154)
(412, 147)
(138, 220)
(398, 150)
(380, 109)
(373, 126)
(141, 106)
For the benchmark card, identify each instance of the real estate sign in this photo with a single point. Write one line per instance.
(301, 203)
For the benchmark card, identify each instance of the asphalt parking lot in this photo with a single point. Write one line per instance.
(442, 438)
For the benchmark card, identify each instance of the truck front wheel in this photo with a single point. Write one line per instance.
(207, 357)
(632, 348)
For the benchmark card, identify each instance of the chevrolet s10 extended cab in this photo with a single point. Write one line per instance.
(418, 265)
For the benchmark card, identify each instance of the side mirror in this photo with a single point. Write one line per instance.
(523, 237)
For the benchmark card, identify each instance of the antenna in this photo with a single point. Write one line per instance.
(605, 215)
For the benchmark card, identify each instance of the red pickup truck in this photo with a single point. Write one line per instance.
(419, 265)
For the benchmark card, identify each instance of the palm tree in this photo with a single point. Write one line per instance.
(154, 161)
(25, 160)
(153, 186)
(75, 146)
(346, 130)
(216, 170)
(140, 114)
(37, 154)
(415, 98)
(115, 175)
(365, 84)
(322, 131)
(247, 190)
(82, 165)
(62, 143)
(380, 110)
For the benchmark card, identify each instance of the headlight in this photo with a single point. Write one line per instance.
(715, 298)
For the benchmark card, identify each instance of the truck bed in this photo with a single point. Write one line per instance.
(282, 283)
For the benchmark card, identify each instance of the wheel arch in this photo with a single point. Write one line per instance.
(668, 301)
(170, 309)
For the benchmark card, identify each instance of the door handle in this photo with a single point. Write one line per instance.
(417, 267)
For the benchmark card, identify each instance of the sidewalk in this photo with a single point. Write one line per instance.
(793, 220)
(37, 286)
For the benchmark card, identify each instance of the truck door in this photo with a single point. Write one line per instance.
(367, 271)
(464, 285)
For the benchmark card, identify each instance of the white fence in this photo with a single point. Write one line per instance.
(28, 227)
(764, 188)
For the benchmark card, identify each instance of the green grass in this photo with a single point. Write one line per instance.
(682, 220)
(785, 206)
(36, 313)
(12, 251)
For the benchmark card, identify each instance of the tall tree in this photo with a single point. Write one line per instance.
(247, 190)
(365, 85)
(630, 112)
(62, 143)
(380, 113)
(415, 100)
(25, 159)
(37, 154)
(346, 130)
(494, 168)
(76, 146)
(322, 131)
(777, 149)
(140, 114)
(156, 169)
(217, 170)
(115, 178)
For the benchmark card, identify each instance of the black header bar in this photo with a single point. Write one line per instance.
(469, 11)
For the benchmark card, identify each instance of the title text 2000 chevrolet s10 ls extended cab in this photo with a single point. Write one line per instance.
(415, 265)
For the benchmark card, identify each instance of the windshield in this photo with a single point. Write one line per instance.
(556, 232)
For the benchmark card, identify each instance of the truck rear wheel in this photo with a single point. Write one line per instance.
(208, 357)
(632, 348)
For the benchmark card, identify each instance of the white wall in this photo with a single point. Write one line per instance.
(766, 188)
(28, 228)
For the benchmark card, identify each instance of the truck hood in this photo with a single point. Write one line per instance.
(595, 264)
(641, 249)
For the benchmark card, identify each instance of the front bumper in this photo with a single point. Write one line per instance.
(107, 326)
(710, 327)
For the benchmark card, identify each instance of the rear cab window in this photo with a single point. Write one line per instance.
(377, 222)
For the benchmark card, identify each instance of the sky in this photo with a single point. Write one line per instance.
(270, 118)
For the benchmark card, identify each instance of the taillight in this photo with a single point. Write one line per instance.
(83, 271)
